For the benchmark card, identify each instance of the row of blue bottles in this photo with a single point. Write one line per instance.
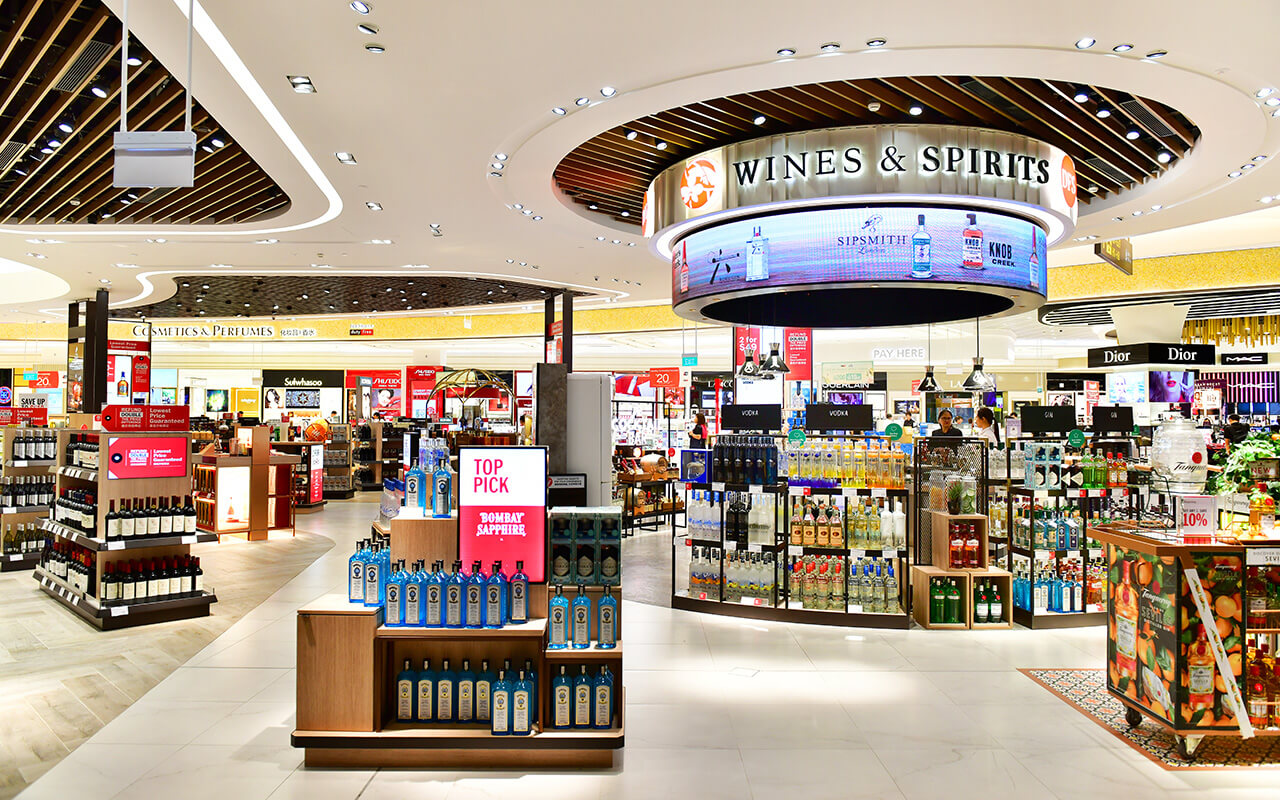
(513, 705)
(444, 696)
(574, 628)
(583, 702)
(367, 573)
(415, 490)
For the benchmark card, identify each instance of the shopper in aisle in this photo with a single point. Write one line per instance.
(698, 436)
(944, 425)
(984, 426)
(1235, 431)
(907, 421)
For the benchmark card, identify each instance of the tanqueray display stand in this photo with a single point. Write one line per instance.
(348, 659)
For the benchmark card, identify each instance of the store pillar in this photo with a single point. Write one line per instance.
(558, 333)
(87, 345)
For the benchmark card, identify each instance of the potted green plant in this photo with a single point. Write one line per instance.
(955, 496)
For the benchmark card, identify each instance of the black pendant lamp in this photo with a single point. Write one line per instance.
(774, 362)
(978, 380)
(929, 384)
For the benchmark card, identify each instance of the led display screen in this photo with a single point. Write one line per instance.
(861, 245)
(1126, 388)
(302, 398)
(146, 457)
(1172, 386)
(502, 499)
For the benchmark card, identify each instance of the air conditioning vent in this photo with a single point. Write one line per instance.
(89, 62)
(1146, 119)
(10, 153)
(1104, 167)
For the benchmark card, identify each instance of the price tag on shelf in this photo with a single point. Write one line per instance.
(1095, 553)
(754, 548)
(849, 491)
(1040, 494)
(855, 608)
(119, 611)
(889, 553)
(117, 545)
(717, 486)
(1262, 556)
(751, 601)
(1044, 555)
(702, 595)
(189, 539)
(1096, 492)
(730, 547)
(795, 491)
(879, 493)
(1092, 608)
(858, 554)
(755, 488)
(795, 550)
(14, 557)
(688, 487)
(1120, 492)
(687, 542)
(1196, 517)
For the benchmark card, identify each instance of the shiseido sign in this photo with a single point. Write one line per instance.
(868, 160)
(1152, 353)
(751, 417)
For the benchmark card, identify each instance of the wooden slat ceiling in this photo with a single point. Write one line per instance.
(609, 173)
(284, 295)
(53, 55)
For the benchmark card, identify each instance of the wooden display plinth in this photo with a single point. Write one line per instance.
(942, 544)
(426, 539)
(1003, 581)
(921, 585)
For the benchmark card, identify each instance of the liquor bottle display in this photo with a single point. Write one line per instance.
(73, 565)
(846, 463)
(82, 450)
(21, 538)
(26, 491)
(586, 545)
(745, 459)
(33, 444)
(151, 579)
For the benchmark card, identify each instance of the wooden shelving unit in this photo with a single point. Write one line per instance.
(348, 659)
(260, 482)
(385, 447)
(106, 490)
(301, 448)
(338, 473)
(20, 520)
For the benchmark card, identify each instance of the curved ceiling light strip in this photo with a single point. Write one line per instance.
(226, 54)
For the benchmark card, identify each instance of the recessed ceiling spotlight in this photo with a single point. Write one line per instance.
(1157, 207)
(630, 134)
(511, 261)
(631, 244)
(786, 51)
(1273, 101)
(626, 213)
(372, 206)
(617, 241)
(367, 28)
(658, 143)
(876, 43)
(581, 101)
(1103, 113)
(216, 142)
(1266, 199)
(593, 207)
(380, 241)
(433, 226)
(1085, 43)
(1246, 166)
(204, 286)
(599, 238)
(267, 241)
(46, 150)
(536, 218)
(1263, 92)
(524, 263)
(65, 127)
(55, 144)
(759, 119)
(500, 156)
(1137, 213)
(558, 111)
(497, 165)
(157, 241)
(36, 255)
(607, 91)
(517, 206)
(374, 47)
(1082, 96)
(1164, 156)
(133, 61)
(302, 84)
(1122, 48)
(345, 158)
(1235, 174)
(1117, 219)
(206, 148)
(1133, 134)
(1157, 54)
(915, 110)
(1276, 113)
(99, 92)
(526, 212)
(830, 47)
(361, 7)
(1259, 158)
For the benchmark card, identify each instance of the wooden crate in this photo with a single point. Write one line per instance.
(941, 542)
(1003, 581)
(921, 584)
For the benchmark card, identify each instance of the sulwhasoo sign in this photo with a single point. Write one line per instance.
(940, 160)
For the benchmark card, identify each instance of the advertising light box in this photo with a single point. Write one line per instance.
(146, 457)
(502, 507)
(914, 245)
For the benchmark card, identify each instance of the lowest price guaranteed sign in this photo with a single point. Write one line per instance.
(502, 508)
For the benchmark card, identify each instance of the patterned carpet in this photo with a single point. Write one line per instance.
(1086, 689)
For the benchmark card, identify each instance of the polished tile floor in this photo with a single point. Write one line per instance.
(716, 708)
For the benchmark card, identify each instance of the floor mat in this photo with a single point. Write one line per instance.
(1086, 689)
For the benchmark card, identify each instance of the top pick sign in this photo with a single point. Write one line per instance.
(146, 418)
(502, 507)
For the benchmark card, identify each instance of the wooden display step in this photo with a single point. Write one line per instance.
(24, 510)
(533, 629)
(123, 616)
(921, 584)
(17, 562)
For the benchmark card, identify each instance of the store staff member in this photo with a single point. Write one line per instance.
(908, 422)
(1236, 431)
(984, 426)
(945, 429)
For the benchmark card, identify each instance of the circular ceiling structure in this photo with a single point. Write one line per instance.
(276, 295)
(1117, 140)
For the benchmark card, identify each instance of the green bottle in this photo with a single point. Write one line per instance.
(981, 605)
(938, 602)
(953, 603)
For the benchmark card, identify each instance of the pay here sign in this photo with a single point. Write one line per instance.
(502, 508)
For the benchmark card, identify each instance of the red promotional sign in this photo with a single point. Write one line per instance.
(915, 387)
(128, 346)
(556, 328)
(316, 486)
(502, 507)
(664, 377)
(146, 456)
(798, 353)
(24, 416)
(745, 339)
(146, 418)
(142, 375)
(46, 380)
